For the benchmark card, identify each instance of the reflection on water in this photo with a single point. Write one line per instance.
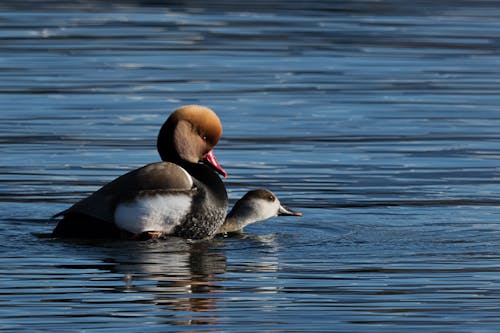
(376, 119)
(176, 282)
(179, 276)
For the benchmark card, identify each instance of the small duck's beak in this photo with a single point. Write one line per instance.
(285, 211)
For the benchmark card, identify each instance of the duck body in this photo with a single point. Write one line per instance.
(180, 196)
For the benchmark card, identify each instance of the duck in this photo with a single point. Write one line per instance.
(182, 196)
(254, 206)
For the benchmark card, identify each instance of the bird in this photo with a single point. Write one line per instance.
(181, 196)
(254, 206)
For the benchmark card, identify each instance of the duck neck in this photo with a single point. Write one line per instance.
(236, 221)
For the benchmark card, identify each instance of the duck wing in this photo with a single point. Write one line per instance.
(161, 176)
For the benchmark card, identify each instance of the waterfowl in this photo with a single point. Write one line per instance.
(254, 206)
(182, 196)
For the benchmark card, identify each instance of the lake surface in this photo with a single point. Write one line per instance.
(378, 120)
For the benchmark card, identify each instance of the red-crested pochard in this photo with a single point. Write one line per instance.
(179, 196)
(254, 206)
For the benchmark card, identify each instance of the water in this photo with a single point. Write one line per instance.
(378, 120)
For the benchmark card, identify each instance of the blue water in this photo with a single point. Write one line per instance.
(378, 120)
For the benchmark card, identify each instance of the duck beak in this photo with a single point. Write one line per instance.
(211, 161)
(285, 211)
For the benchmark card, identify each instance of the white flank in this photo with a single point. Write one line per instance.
(155, 213)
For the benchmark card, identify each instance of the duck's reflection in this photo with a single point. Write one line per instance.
(178, 274)
(186, 279)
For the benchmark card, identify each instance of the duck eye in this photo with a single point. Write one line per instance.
(271, 198)
(204, 138)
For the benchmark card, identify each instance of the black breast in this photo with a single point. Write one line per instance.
(209, 206)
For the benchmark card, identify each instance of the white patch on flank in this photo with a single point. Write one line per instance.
(162, 212)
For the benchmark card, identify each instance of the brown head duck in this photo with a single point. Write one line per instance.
(181, 196)
(254, 206)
